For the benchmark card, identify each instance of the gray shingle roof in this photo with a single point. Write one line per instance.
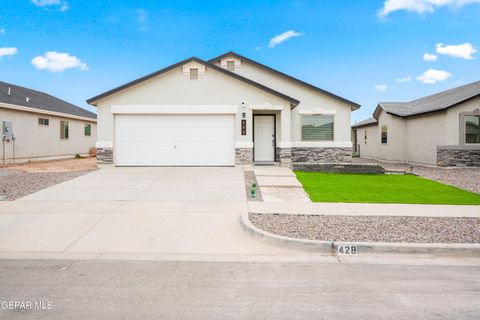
(366, 122)
(435, 102)
(39, 100)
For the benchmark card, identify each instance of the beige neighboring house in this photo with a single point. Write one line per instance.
(442, 129)
(225, 111)
(37, 126)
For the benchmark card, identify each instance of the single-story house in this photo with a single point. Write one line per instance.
(225, 111)
(441, 129)
(38, 126)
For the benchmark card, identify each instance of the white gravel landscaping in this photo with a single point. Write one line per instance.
(15, 184)
(371, 228)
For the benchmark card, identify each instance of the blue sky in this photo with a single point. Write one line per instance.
(359, 49)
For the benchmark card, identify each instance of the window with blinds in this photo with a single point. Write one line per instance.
(317, 128)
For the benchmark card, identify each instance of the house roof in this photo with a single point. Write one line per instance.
(311, 86)
(95, 99)
(364, 123)
(435, 102)
(21, 96)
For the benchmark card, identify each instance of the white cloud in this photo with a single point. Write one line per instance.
(430, 57)
(57, 62)
(283, 37)
(6, 52)
(420, 6)
(433, 76)
(404, 79)
(2, 31)
(142, 19)
(62, 5)
(381, 87)
(464, 51)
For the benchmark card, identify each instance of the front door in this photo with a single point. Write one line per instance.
(264, 137)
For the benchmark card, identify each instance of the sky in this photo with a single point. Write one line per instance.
(363, 50)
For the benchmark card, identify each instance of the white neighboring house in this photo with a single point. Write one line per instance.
(38, 126)
(225, 111)
(441, 129)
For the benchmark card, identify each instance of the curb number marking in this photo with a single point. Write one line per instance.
(347, 249)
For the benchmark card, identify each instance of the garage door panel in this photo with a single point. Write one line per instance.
(174, 140)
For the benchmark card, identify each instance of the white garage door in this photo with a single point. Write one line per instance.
(174, 140)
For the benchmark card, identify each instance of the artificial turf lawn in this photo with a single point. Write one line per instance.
(381, 188)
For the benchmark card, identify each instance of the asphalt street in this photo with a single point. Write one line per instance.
(93, 289)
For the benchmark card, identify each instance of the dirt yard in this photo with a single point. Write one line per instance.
(20, 180)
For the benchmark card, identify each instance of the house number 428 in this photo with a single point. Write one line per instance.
(347, 249)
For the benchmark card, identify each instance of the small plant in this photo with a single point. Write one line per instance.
(253, 190)
(78, 156)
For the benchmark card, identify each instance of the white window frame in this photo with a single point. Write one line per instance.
(62, 132)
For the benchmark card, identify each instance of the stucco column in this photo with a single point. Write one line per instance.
(284, 143)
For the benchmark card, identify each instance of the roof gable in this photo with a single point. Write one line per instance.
(265, 67)
(20, 96)
(95, 99)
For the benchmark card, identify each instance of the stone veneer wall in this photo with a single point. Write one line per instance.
(321, 155)
(105, 155)
(458, 156)
(284, 156)
(243, 155)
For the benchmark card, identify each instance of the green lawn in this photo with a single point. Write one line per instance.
(381, 188)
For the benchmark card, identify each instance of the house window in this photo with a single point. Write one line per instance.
(64, 130)
(317, 128)
(384, 135)
(87, 130)
(365, 137)
(43, 121)
(193, 73)
(231, 65)
(472, 129)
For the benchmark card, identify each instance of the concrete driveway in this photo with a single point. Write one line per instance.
(130, 212)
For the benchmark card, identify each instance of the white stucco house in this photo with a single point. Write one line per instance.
(225, 111)
(441, 129)
(37, 126)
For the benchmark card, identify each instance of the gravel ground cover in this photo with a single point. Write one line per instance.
(15, 184)
(249, 179)
(371, 229)
(463, 178)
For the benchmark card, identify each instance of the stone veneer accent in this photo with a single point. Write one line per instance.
(243, 155)
(284, 156)
(339, 167)
(321, 155)
(105, 155)
(458, 156)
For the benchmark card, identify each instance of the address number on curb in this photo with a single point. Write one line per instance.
(347, 249)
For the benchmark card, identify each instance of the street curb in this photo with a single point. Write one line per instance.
(331, 247)
(301, 244)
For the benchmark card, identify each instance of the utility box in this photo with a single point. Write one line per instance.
(7, 130)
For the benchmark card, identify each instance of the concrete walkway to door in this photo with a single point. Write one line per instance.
(133, 211)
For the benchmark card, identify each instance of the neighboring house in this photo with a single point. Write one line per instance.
(38, 126)
(226, 111)
(442, 129)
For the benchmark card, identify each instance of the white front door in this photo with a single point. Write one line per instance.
(264, 137)
(175, 140)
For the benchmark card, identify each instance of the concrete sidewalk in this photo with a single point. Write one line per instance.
(365, 209)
